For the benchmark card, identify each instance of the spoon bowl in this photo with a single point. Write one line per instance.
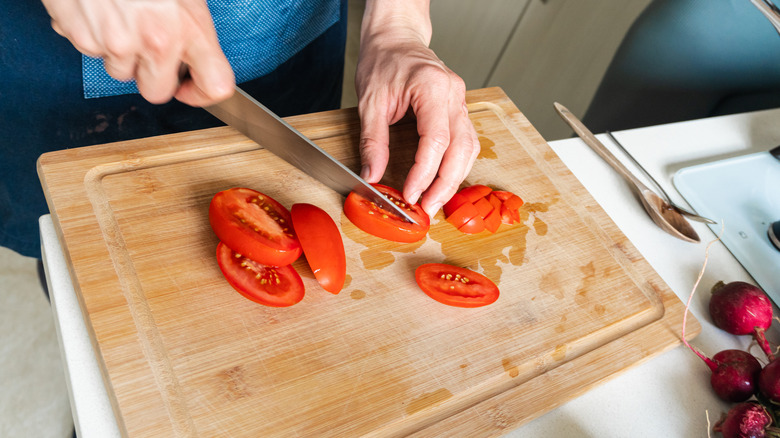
(663, 214)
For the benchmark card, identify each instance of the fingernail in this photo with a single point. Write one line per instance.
(365, 171)
(414, 198)
(434, 209)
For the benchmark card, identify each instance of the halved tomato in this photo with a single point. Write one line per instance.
(475, 225)
(269, 285)
(462, 214)
(475, 192)
(254, 225)
(374, 220)
(455, 286)
(322, 245)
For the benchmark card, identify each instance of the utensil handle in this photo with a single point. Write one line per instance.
(584, 133)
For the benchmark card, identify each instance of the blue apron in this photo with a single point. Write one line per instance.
(255, 35)
(293, 63)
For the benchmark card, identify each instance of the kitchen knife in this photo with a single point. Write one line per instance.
(257, 122)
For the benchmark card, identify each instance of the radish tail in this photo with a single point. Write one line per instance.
(758, 334)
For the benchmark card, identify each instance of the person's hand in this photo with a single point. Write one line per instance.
(150, 41)
(396, 71)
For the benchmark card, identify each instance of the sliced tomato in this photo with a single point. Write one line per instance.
(374, 220)
(493, 221)
(502, 195)
(514, 202)
(456, 201)
(483, 206)
(254, 225)
(463, 214)
(506, 216)
(455, 286)
(322, 245)
(494, 201)
(269, 285)
(473, 193)
(475, 225)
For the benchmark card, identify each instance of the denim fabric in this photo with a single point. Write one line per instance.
(255, 35)
(42, 107)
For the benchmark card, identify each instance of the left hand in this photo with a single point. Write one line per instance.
(396, 71)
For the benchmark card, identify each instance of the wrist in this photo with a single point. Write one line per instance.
(396, 21)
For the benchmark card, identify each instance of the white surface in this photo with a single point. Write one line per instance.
(89, 401)
(744, 193)
(668, 396)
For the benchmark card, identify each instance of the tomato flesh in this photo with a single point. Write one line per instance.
(478, 207)
(254, 225)
(379, 222)
(322, 245)
(456, 286)
(269, 285)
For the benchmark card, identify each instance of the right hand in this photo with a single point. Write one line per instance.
(149, 40)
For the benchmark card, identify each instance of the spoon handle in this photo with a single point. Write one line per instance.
(584, 133)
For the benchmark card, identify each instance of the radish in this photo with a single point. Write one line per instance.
(742, 309)
(769, 381)
(746, 420)
(734, 373)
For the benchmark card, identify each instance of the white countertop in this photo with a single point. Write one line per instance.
(667, 396)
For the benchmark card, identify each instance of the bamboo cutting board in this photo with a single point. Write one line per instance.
(184, 355)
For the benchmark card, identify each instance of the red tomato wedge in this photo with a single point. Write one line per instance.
(455, 286)
(376, 221)
(255, 226)
(478, 207)
(475, 192)
(462, 215)
(269, 285)
(322, 245)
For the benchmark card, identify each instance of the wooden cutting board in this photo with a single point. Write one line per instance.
(183, 354)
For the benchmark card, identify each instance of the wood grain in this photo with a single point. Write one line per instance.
(184, 355)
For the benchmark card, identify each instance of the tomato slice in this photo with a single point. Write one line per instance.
(455, 286)
(374, 220)
(473, 193)
(514, 202)
(254, 225)
(483, 206)
(493, 221)
(322, 245)
(506, 216)
(474, 226)
(456, 201)
(463, 214)
(269, 285)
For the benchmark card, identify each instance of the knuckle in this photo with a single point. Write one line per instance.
(438, 141)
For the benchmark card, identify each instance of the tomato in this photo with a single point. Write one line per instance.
(483, 206)
(493, 221)
(456, 201)
(475, 192)
(374, 220)
(254, 225)
(475, 225)
(455, 286)
(514, 202)
(269, 285)
(322, 245)
(462, 214)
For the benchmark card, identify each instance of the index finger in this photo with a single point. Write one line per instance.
(210, 75)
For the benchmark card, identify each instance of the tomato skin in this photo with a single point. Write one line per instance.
(378, 222)
(493, 221)
(475, 192)
(453, 204)
(277, 287)
(322, 245)
(254, 225)
(476, 291)
(462, 215)
(475, 225)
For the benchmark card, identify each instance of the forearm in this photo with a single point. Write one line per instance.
(396, 20)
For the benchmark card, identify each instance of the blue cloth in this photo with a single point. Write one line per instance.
(255, 35)
(42, 106)
(688, 59)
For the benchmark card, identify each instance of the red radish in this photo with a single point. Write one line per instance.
(746, 420)
(742, 309)
(734, 372)
(769, 381)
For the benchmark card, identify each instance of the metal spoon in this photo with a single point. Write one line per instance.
(664, 215)
(665, 195)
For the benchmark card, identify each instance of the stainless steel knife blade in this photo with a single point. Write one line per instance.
(251, 118)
